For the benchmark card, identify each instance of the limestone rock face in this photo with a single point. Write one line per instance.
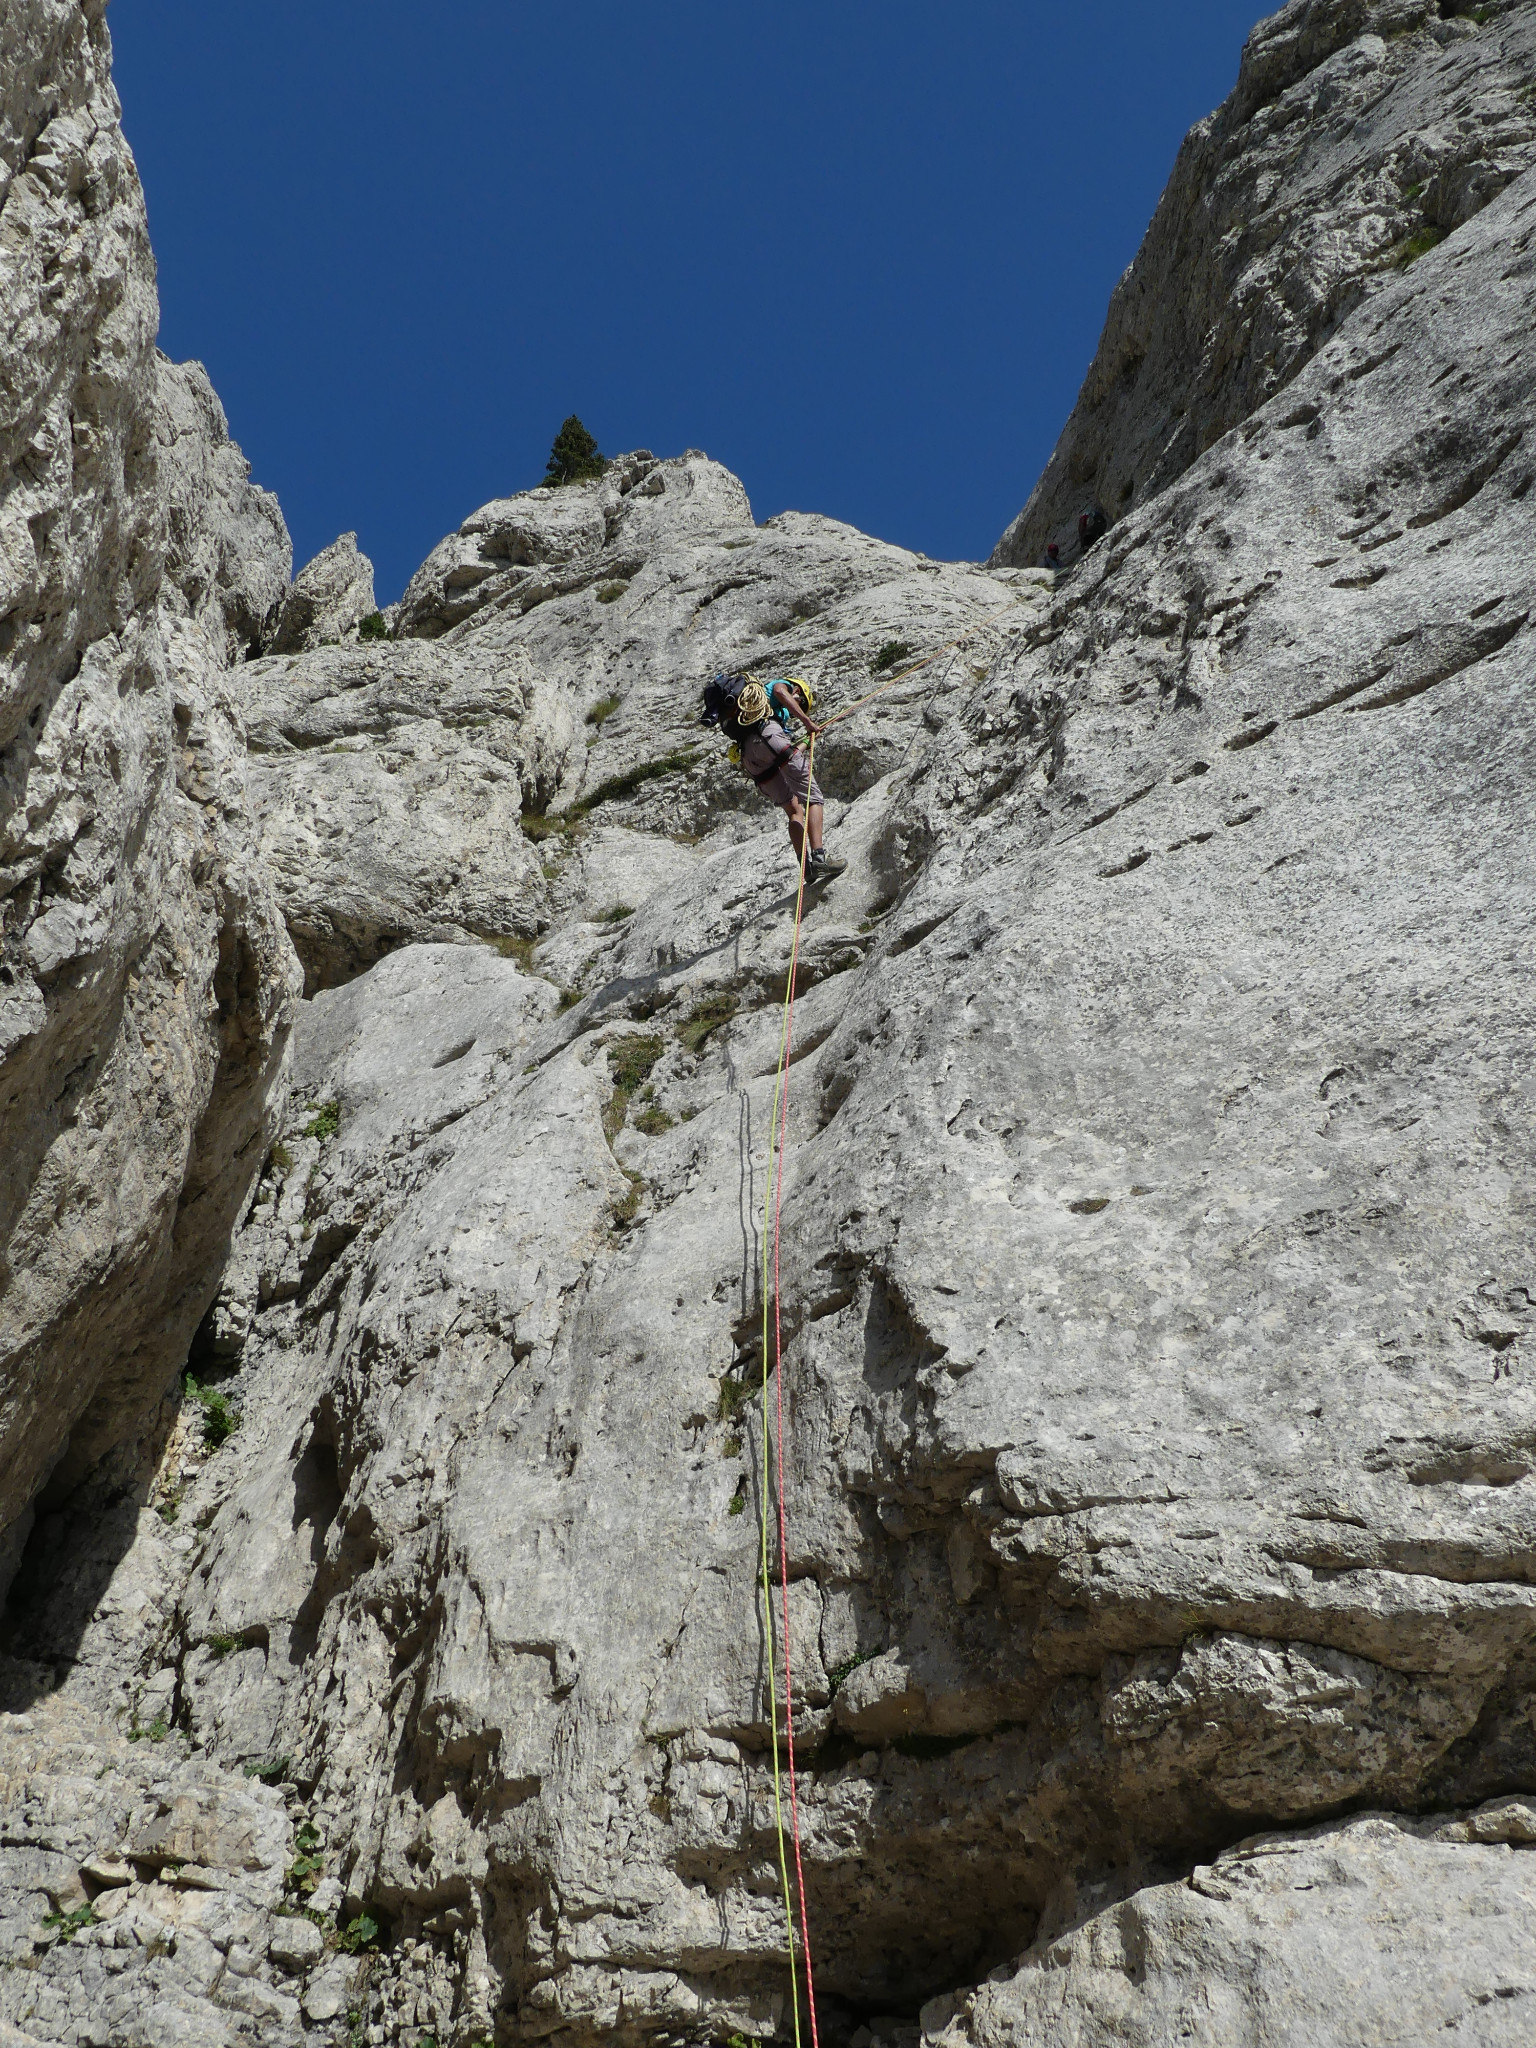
(144, 1887)
(516, 552)
(388, 782)
(1378, 1933)
(227, 550)
(1154, 1280)
(146, 980)
(328, 597)
(391, 779)
(1359, 133)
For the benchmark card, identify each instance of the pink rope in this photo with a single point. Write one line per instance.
(778, 1371)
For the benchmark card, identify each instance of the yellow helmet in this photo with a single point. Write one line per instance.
(799, 683)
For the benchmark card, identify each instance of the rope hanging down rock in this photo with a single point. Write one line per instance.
(785, 1774)
(773, 1197)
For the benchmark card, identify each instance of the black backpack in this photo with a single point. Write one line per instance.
(720, 707)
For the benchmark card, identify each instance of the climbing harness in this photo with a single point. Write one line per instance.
(773, 1196)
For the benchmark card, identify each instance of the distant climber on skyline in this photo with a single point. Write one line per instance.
(1092, 525)
(757, 722)
(1051, 559)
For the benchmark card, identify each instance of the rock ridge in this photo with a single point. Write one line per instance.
(146, 987)
(1359, 133)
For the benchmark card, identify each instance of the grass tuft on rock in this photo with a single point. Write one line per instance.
(512, 946)
(630, 1061)
(605, 707)
(627, 1207)
(707, 1017)
(325, 1122)
(734, 1395)
(893, 652)
(220, 1418)
(538, 825)
(374, 627)
(634, 778)
(541, 825)
(851, 1664)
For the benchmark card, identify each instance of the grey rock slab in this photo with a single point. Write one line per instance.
(148, 983)
(328, 1993)
(1359, 132)
(1375, 1933)
(296, 1943)
(1158, 1452)
(331, 595)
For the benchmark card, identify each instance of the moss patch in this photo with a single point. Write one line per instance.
(630, 1061)
(1415, 246)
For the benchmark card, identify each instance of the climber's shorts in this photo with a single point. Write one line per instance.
(793, 783)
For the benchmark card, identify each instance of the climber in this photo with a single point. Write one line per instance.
(1051, 559)
(1092, 525)
(758, 722)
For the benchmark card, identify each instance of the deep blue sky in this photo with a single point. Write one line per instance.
(859, 250)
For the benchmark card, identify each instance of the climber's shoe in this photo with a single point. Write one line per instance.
(821, 868)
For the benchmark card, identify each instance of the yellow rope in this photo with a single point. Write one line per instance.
(767, 1576)
(763, 1288)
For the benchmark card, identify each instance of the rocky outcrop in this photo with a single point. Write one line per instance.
(145, 988)
(1161, 1466)
(227, 551)
(392, 780)
(153, 1909)
(1359, 134)
(1378, 1930)
(518, 552)
(328, 598)
(1155, 1283)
